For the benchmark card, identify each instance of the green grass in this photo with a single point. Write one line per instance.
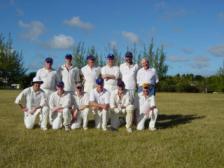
(190, 134)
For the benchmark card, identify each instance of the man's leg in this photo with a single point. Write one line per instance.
(84, 115)
(77, 123)
(141, 122)
(44, 117)
(129, 116)
(115, 123)
(104, 120)
(29, 119)
(98, 121)
(56, 120)
(67, 118)
(153, 116)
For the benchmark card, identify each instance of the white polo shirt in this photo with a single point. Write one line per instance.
(128, 74)
(147, 76)
(90, 76)
(32, 99)
(145, 103)
(116, 101)
(63, 101)
(80, 101)
(69, 76)
(101, 98)
(113, 70)
(48, 77)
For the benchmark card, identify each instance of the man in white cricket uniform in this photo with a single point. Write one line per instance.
(60, 103)
(110, 74)
(80, 108)
(147, 75)
(68, 74)
(49, 77)
(147, 109)
(35, 103)
(90, 74)
(120, 104)
(99, 102)
(128, 72)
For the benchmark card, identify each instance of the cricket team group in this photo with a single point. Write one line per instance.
(65, 97)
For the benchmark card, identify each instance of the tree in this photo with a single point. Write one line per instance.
(79, 52)
(11, 63)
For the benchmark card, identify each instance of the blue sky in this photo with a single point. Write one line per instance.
(192, 32)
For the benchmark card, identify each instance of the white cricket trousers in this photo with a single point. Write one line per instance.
(47, 115)
(89, 86)
(57, 117)
(29, 119)
(129, 111)
(101, 119)
(142, 118)
(81, 117)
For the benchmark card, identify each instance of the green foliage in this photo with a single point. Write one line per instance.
(11, 63)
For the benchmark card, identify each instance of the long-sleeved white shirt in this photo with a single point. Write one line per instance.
(128, 74)
(69, 76)
(48, 77)
(117, 102)
(147, 76)
(63, 101)
(31, 98)
(113, 70)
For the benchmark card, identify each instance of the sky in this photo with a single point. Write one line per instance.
(191, 31)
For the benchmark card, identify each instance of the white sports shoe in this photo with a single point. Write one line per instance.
(67, 128)
(104, 129)
(152, 129)
(129, 130)
(44, 129)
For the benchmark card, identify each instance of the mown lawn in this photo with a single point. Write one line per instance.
(190, 134)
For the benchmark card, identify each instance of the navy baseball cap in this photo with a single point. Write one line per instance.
(99, 81)
(60, 84)
(49, 60)
(110, 56)
(90, 57)
(68, 56)
(120, 83)
(129, 54)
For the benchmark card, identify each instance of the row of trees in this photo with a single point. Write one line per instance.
(12, 69)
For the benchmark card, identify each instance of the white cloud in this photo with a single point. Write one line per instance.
(130, 36)
(113, 45)
(32, 30)
(217, 50)
(61, 41)
(19, 12)
(176, 59)
(77, 22)
(200, 62)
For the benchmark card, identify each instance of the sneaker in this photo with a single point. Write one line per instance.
(129, 130)
(67, 128)
(85, 128)
(152, 129)
(104, 129)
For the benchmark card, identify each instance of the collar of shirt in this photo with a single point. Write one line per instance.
(67, 68)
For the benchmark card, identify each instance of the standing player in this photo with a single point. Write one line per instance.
(99, 102)
(90, 74)
(128, 73)
(49, 77)
(147, 75)
(68, 74)
(110, 74)
(35, 103)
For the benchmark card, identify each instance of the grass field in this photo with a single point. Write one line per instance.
(190, 134)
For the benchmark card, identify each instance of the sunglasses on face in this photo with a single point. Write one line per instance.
(79, 87)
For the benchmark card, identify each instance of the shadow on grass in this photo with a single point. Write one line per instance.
(167, 121)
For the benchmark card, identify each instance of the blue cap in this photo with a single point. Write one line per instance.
(110, 56)
(99, 81)
(49, 60)
(120, 83)
(129, 54)
(68, 56)
(60, 84)
(91, 57)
